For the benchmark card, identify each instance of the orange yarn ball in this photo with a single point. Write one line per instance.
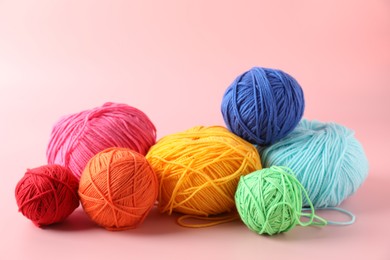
(118, 188)
(199, 169)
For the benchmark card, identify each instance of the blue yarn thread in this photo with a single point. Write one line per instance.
(335, 223)
(326, 158)
(263, 105)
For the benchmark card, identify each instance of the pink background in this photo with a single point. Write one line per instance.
(174, 60)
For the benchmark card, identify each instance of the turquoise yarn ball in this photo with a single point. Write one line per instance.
(326, 158)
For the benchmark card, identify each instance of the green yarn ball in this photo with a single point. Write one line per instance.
(269, 201)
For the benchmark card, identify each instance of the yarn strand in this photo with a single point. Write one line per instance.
(208, 221)
(336, 223)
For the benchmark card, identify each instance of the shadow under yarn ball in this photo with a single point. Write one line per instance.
(47, 194)
(78, 137)
(118, 188)
(263, 105)
(326, 158)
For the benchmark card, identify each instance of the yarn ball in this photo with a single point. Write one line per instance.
(198, 169)
(118, 188)
(78, 137)
(325, 157)
(269, 201)
(47, 194)
(263, 105)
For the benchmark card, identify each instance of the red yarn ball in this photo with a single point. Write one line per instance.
(47, 194)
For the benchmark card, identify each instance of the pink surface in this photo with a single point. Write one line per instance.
(174, 60)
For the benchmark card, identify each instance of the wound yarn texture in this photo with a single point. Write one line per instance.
(47, 194)
(325, 157)
(263, 105)
(269, 201)
(78, 137)
(198, 169)
(118, 188)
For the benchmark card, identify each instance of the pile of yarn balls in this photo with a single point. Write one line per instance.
(264, 166)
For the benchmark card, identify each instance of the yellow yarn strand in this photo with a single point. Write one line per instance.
(198, 172)
(208, 221)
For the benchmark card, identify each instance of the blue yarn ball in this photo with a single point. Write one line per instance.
(263, 105)
(326, 158)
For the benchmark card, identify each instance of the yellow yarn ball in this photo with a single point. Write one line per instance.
(199, 169)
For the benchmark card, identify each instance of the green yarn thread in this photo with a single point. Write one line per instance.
(269, 201)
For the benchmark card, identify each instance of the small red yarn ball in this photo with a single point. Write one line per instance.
(47, 194)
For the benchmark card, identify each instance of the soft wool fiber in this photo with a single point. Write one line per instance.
(198, 170)
(263, 105)
(78, 137)
(325, 157)
(118, 188)
(269, 201)
(47, 194)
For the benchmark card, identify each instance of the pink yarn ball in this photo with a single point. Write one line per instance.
(78, 137)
